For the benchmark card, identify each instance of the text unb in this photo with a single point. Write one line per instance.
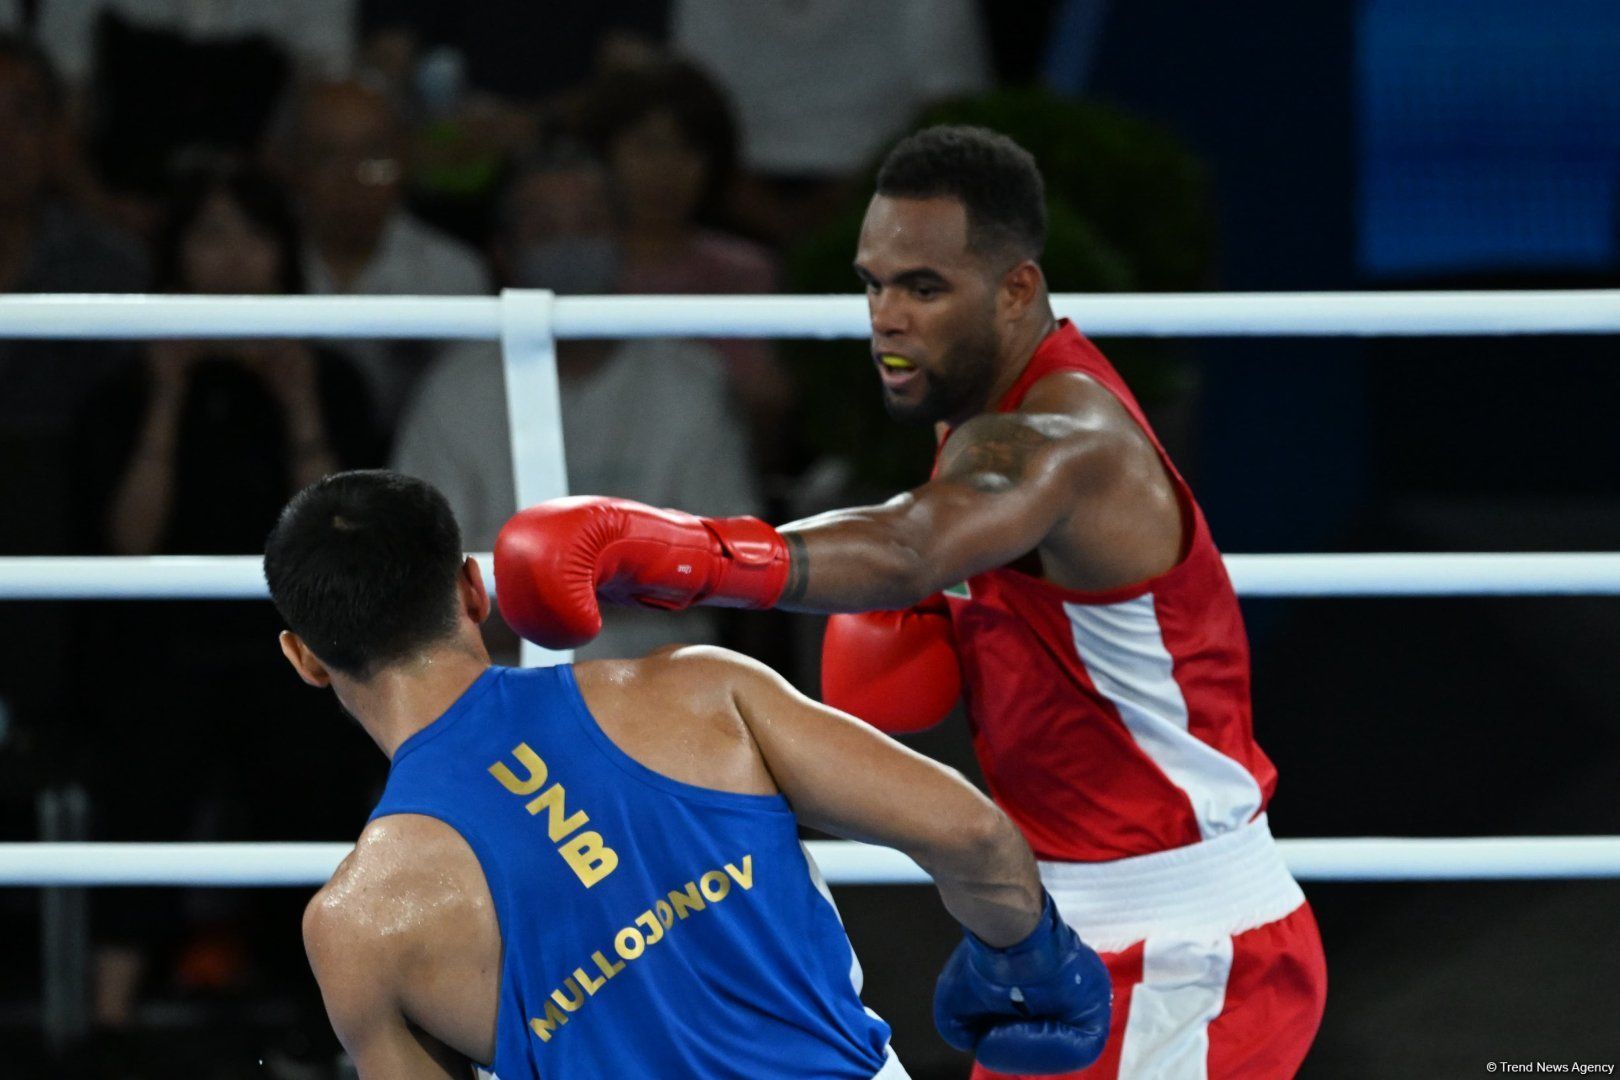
(586, 853)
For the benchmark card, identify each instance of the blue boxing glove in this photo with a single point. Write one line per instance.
(1038, 1007)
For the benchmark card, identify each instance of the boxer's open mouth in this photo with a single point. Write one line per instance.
(895, 370)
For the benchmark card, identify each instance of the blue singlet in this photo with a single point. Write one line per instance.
(650, 928)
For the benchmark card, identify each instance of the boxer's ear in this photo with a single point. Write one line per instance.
(474, 596)
(306, 663)
(1022, 286)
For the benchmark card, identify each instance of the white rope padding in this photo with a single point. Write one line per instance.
(841, 862)
(240, 577)
(1339, 314)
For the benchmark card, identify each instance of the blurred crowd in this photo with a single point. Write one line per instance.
(367, 147)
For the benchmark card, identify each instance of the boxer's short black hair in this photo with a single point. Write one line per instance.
(363, 567)
(996, 180)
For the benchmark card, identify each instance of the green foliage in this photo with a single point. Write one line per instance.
(1128, 211)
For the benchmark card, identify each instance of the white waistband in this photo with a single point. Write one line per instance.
(1224, 885)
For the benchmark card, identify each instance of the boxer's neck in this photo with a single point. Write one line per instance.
(406, 697)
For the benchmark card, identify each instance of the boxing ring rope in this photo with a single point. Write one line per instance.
(482, 318)
(528, 323)
(841, 863)
(241, 577)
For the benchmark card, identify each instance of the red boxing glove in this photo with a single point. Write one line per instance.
(553, 561)
(897, 670)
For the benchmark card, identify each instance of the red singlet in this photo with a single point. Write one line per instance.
(1117, 723)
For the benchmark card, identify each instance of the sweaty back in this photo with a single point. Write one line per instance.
(649, 928)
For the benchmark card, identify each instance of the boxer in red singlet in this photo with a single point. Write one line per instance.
(1058, 568)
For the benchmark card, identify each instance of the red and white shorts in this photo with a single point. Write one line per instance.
(1216, 961)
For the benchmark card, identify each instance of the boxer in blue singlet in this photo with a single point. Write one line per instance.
(595, 870)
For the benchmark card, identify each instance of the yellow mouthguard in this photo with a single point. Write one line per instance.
(896, 363)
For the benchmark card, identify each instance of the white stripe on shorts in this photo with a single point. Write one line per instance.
(1183, 989)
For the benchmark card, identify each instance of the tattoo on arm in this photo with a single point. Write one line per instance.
(992, 453)
(798, 569)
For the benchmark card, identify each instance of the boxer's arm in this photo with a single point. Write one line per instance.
(359, 972)
(1005, 483)
(845, 778)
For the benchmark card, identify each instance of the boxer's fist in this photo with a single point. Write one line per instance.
(897, 670)
(1038, 1007)
(553, 561)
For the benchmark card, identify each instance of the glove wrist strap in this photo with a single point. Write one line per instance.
(1040, 954)
(754, 569)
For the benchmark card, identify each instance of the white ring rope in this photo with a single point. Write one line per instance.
(1114, 315)
(1346, 314)
(240, 577)
(841, 862)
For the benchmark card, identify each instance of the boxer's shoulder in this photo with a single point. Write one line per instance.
(1078, 407)
(676, 711)
(405, 934)
(995, 451)
(408, 876)
(694, 677)
(1071, 393)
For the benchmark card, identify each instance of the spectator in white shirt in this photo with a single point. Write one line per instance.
(346, 158)
(648, 420)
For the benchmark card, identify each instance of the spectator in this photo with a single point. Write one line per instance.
(666, 134)
(346, 154)
(47, 245)
(475, 102)
(318, 34)
(563, 44)
(821, 88)
(647, 420)
(193, 452)
(225, 422)
(160, 85)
